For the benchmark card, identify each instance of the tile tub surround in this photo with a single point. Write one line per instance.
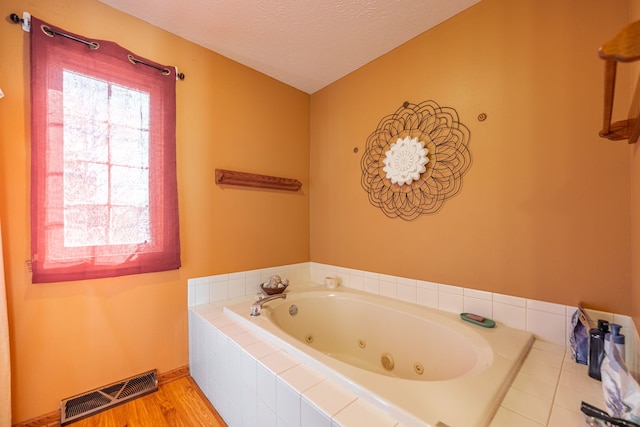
(238, 370)
(549, 322)
(252, 382)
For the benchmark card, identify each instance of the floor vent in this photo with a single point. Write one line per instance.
(78, 407)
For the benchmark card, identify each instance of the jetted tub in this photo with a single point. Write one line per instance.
(422, 366)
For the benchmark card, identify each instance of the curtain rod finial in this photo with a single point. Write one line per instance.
(25, 20)
(179, 75)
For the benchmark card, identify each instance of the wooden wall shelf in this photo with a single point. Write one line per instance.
(244, 179)
(624, 47)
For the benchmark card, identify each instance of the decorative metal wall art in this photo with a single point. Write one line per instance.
(415, 159)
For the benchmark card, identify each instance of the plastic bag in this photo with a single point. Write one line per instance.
(579, 338)
(621, 391)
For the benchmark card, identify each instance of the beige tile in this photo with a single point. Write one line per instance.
(510, 300)
(278, 362)
(583, 384)
(512, 316)
(529, 383)
(217, 318)
(571, 365)
(301, 377)
(561, 417)
(527, 405)
(472, 293)
(568, 399)
(260, 349)
(549, 347)
(329, 397)
(546, 307)
(551, 358)
(547, 326)
(360, 413)
(245, 339)
(542, 371)
(571, 399)
(507, 418)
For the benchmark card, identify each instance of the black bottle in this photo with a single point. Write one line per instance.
(596, 348)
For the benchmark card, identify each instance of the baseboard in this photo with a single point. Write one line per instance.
(52, 419)
(175, 374)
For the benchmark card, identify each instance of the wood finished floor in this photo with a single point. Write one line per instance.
(179, 403)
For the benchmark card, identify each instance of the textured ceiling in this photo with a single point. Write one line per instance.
(307, 44)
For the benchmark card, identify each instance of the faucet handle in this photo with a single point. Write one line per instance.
(255, 310)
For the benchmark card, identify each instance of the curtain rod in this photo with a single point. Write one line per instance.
(26, 26)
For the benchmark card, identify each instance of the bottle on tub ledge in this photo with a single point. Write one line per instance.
(616, 338)
(596, 348)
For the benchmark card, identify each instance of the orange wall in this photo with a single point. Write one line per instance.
(67, 338)
(544, 211)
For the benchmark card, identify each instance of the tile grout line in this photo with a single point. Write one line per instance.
(555, 391)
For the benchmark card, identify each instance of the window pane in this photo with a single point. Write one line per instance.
(85, 225)
(129, 107)
(85, 184)
(85, 97)
(129, 147)
(129, 225)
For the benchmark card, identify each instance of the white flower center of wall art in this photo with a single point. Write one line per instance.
(405, 161)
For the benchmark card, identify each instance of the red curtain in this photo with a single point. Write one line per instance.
(103, 167)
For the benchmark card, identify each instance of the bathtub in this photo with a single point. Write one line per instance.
(421, 366)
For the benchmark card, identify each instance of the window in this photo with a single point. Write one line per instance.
(104, 192)
(106, 163)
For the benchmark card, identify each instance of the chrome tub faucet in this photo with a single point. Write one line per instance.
(256, 307)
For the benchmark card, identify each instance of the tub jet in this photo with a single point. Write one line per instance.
(387, 361)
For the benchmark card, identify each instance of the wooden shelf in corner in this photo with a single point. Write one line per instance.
(620, 130)
(244, 179)
(624, 47)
